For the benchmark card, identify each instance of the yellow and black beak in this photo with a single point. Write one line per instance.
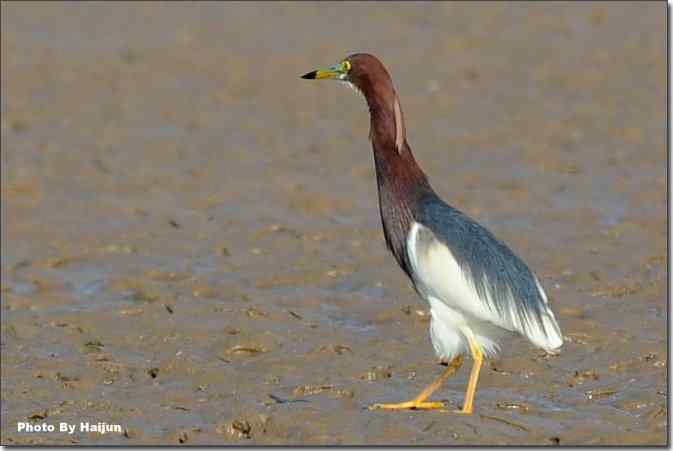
(335, 72)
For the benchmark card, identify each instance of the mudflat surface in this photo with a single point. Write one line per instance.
(191, 246)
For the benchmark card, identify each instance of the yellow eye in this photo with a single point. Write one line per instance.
(346, 65)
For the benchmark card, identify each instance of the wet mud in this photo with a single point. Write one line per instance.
(191, 246)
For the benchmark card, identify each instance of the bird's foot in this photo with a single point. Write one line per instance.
(462, 412)
(410, 405)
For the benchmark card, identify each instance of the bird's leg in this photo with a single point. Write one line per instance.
(419, 402)
(478, 356)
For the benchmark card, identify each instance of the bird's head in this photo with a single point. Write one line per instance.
(360, 70)
(368, 75)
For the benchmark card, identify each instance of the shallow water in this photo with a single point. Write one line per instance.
(191, 245)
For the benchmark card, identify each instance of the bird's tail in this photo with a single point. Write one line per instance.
(548, 336)
(553, 338)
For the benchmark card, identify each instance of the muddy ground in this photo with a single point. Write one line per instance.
(191, 246)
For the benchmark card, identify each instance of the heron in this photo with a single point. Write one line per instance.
(477, 289)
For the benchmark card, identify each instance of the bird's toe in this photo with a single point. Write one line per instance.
(409, 405)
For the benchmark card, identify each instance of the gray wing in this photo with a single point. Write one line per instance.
(470, 269)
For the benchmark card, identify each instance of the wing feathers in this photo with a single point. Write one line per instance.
(508, 296)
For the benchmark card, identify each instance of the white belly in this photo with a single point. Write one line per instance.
(448, 340)
(455, 306)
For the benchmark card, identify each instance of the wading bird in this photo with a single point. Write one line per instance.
(477, 289)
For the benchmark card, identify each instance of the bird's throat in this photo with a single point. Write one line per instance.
(396, 167)
(400, 182)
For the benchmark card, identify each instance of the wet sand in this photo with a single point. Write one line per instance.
(191, 245)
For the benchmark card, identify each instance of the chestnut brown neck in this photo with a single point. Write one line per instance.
(400, 180)
(396, 167)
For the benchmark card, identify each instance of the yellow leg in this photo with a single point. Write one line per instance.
(420, 401)
(478, 356)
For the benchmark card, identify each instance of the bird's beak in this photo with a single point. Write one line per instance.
(334, 72)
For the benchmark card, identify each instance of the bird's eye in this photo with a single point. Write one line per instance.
(346, 65)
